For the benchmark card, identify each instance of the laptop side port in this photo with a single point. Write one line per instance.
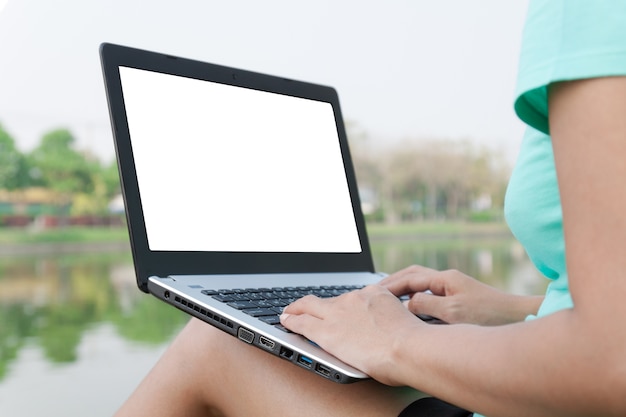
(245, 335)
(266, 343)
(286, 353)
(323, 370)
(305, 361)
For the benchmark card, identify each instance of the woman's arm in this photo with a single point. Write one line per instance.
(571, 363)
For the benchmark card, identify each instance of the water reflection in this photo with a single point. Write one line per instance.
(51, 302)
(75, 320)
(500, 262)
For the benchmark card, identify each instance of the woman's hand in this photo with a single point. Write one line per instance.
(457, 298)
(367, 328)
(363, 328)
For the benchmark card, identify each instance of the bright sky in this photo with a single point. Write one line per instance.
(418, 69)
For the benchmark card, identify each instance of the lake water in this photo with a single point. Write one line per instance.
(76, 336)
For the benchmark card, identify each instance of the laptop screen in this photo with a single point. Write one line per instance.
(232, 169)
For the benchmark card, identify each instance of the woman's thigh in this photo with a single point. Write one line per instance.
(244, 380)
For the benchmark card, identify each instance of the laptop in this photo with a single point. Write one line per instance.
(240, 195)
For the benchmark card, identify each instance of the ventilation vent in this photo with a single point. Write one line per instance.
(189, 306)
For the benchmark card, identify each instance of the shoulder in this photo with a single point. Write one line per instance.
(567, 40)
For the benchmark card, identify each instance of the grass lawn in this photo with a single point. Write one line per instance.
(430, 229)
(64, 235)
(78, 234)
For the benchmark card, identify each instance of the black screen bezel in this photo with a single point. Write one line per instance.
(163, 263)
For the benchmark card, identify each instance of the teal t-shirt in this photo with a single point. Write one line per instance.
(567, 40)
(533, 212)
(563, 40)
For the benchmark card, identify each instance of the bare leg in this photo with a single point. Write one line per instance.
(206, 372)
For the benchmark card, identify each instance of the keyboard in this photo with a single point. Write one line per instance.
(267, 304)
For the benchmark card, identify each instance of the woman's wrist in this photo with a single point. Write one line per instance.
(518, 307)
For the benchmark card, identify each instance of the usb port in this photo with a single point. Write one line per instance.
(305, 361)
(323, 370)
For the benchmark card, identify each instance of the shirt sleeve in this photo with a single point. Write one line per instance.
(567, 40)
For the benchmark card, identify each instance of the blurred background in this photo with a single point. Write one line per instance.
(426, 90)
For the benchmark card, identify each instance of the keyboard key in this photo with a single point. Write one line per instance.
(257, 312)
(223, 298)
(240, 305)
(263, 303)
(270, 319)
(283, 328)
(279, 302)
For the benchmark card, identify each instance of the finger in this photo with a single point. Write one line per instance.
(410, 280)
(309, 304)
(303, 324)
(400, 274)
(427, 304)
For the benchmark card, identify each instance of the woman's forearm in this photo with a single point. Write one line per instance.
(538, 368)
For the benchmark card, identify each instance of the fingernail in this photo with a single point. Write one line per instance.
(284, 316)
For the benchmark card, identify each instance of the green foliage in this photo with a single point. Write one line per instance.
(111, 179)
(13, 165)
(106, 184)
(163, 323)
(17, 327)
(62, 330)
(77, 182)
(60, 167)
(485, 216)
(71, 234)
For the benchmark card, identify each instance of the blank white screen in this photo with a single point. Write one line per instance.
(224, 168)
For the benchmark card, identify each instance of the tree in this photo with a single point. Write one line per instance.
(111, 178)
(106, 185)
(13, 166)
(430, 178)
(59, 167)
